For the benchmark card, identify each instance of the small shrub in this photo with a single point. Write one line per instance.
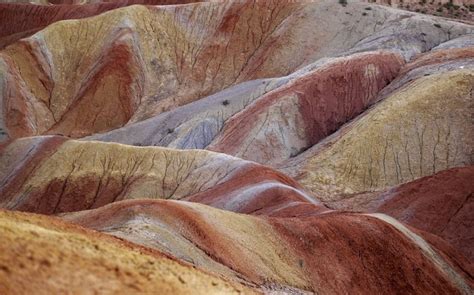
(364, 13)
(437, 25)
(368, 8)
(225, 102)
(170, 130)
(343, 2)
(448, 5)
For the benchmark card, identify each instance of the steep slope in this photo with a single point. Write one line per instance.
(44, 255)
(271, 120)
(193, 125)
(51, 174)
(242, 120)
(441, 204)
(237, 120)
(367, 254)
(152, 59)
(145, 130)
(294, 117)
(419, 129)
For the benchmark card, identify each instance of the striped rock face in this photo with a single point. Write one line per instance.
(440, 204)
(235, 147)
(51, 175)
(298, 252)
(294, 117)
(418, 130)
(152, 59)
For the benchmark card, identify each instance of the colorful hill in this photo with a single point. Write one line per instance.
(269, 147)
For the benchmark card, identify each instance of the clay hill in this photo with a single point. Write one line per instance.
(269, 147)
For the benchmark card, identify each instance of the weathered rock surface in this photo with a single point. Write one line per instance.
(441, 204)
(420, 129)
(270, 120)
(367, 253)
(194, 125)
(294, 117)
(152, 59)
(153, 123)
(51, 175)
(57, 257)
(30, 18)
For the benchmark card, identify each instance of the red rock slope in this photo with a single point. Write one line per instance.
(441, 204)
(370, 254)
(153, 59)
(290, 119)
(420, 128)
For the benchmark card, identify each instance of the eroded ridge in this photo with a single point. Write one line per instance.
(152, 59)
(52, 174)
(440, 204)
(418, 130)
(300, 252)
(141, 133)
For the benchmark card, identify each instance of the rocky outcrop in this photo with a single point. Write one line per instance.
(458, 9)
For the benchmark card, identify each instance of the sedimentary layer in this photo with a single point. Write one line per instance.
(419, 129)
(152, 59)
(367, 253)
(440, 204)
(52, 174)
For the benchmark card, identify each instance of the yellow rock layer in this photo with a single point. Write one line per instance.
(42, 255)
(86, 171)
(421, 129)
